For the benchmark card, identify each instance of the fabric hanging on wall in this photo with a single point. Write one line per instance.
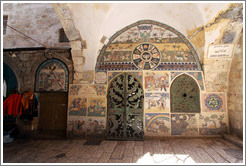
(13, 105)
(29, 102)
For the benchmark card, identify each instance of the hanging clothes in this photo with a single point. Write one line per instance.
(13, 105)
(29, 103)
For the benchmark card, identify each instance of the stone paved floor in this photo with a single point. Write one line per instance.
(171, 150)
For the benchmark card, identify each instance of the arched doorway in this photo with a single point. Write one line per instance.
(125, 108)
(52, 84)
(10, 79)
(185, 95)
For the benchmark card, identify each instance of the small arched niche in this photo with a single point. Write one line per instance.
(185, 95)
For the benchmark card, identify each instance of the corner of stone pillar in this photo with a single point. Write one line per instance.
(78, 61)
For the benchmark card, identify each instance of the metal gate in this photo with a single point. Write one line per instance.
(125, 108)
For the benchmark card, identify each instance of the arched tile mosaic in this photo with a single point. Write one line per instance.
(148, 45)
(52, 75)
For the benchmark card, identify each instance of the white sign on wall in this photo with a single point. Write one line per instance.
(220, 51)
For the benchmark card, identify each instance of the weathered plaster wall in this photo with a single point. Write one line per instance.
(38, 21)
(235, 91)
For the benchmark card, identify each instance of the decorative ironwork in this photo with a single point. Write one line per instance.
(125, 108)
(185, 95)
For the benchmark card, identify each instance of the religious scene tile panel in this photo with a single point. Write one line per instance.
(213, 124)
(156, 82)
(77, 106)
(76, 126)
(96, 106)
(157, 124)
(156, 102)
(184, 124)
(52, 75)
(96, 127)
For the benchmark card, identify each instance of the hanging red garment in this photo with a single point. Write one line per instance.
(26, 98)
(13, 105)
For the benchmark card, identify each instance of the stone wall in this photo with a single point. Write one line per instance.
(38, 21)
(24, 63)
(235, 92)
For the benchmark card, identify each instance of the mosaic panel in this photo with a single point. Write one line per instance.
(167, 49)
(156, 82)
(184, 124)
(96, 106)
(76, 126)
(100, 90)
(157, 124)
(87, 89)
(213, 102)
(78, 106)
(96, 127)
(101, 77)
(74, 90)
(156, 102)
(197, 75)
(52, 75)
(213, 124)
(138, 75)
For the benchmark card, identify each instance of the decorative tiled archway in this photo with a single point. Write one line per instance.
(148, 45)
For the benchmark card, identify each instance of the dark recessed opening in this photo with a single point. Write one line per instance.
(184, 95)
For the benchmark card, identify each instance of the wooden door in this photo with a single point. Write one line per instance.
(53, 113)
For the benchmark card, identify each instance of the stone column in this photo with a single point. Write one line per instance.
(78, 61)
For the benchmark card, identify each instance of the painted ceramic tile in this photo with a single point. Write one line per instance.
(157, 124)
(88, 76)
(52, 75)
(156, 82)
(96, 127)
(156, 102)
(198, 76)
(213, 123)
(213, 102)
(184, 124)
(174, 74)
(76, 126)
(87, 89)
(111, 75)
(148, 45)
(78, 106)
(96, 106)
(100, 89)
(101, 77)
(74, 89)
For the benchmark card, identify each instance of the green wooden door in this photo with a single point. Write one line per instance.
(125, 108)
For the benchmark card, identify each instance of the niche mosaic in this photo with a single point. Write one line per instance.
(52, 75)
(185, 95)
(148, 45)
